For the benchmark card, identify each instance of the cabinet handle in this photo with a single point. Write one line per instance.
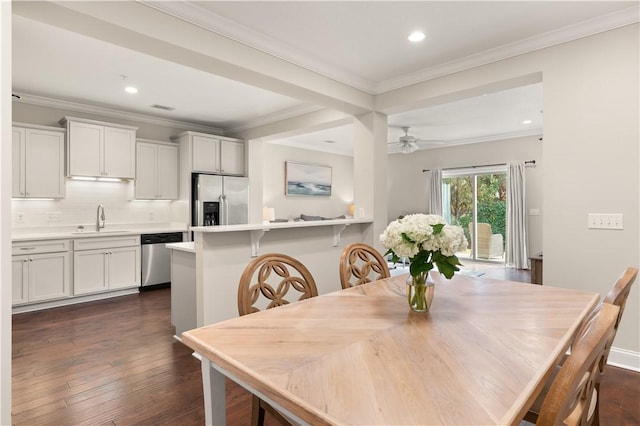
(31, 259)
(27, 248)
(25, 260)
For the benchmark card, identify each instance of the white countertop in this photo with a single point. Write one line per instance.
(189, 246)
(58, 233)
(278, 225)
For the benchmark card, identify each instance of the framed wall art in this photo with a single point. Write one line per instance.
(307, 179)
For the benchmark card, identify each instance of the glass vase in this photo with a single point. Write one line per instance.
(420, 291)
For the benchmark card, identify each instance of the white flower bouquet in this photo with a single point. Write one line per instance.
(426, 239)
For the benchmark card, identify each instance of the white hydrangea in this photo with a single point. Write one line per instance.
(418, 228)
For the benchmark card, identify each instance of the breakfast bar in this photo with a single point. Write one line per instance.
(222, 253)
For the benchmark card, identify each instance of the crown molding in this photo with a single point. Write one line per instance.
(583, 29)
(197, 15)
(275, 117)
(113, 113)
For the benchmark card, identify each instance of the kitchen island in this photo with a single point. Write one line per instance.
(222, 253)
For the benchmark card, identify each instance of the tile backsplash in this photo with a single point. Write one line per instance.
(80, 204)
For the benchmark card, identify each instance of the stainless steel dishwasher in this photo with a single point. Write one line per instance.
(156, 259)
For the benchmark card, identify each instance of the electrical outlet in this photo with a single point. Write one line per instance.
(19, 217)
(54, 216)
(604, 221)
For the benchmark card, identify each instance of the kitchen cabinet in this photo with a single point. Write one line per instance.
(37, 161)
(98, 149)
(40, 271)
(105, 263)
(156, 170)
(212, 154)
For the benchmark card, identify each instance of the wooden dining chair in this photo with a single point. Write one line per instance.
(360, 263)
(571, 397)
(617, 296)
(274, 277)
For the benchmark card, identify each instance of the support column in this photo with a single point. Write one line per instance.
(370, 172)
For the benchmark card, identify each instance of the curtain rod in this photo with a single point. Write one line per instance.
(482, 165)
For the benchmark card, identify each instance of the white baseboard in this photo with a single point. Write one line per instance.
(623, 358)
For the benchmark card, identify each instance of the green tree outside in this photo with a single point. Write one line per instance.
(492, 201)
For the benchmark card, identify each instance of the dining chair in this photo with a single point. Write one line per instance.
(572, 395)
(360, 263)
(617, 296)
(273, 276)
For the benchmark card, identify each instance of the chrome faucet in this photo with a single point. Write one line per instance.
(100, 217)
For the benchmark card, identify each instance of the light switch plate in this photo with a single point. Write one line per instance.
(605, 221)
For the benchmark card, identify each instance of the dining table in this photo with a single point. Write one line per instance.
(360, 356)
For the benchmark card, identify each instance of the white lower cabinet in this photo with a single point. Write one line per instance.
(39, 275)
(104, 264)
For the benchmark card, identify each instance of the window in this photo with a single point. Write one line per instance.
(475, 199)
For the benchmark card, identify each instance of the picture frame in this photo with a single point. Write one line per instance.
(305, 179)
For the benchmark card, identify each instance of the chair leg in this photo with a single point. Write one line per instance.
(595, 417)
(257, 412)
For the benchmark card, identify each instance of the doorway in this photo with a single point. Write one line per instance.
(476, 200)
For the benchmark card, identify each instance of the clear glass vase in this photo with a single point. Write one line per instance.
(420, 291)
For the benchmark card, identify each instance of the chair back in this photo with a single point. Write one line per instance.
(571, 397)
(360, 263)
(273, 276)
(620, 291)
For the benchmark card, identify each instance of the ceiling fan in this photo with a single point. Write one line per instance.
(409, 143)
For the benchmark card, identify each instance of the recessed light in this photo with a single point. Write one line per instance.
(416, 36)
(526, 122)
(131, 89)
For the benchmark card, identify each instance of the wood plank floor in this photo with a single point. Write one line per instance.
(115, 362)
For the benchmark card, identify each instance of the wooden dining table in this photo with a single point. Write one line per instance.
(480, 356)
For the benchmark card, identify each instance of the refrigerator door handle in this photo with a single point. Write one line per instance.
(224, 210)
(200, 214)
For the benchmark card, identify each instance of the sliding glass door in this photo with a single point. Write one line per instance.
(475, 199)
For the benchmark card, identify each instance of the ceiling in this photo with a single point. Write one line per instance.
(360, 43)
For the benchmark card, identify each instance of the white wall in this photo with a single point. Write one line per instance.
(591, 158)
(408, 185)
(288, 207)
(5, 221)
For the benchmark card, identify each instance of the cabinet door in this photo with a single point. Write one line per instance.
(85, 149)
(44, 165)
(119, 153)
(19, 279)
(48, 276)
(124, 267)
(167, 175)
(89, 271)
(205, 154)
(232, 157)
(146, 171)
(18, 189)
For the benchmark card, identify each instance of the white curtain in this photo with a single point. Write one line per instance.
(517, 241)
(435, 192)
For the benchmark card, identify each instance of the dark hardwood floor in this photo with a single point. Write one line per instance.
(115, 362)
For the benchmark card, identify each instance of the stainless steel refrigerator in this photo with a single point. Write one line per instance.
(219, 200)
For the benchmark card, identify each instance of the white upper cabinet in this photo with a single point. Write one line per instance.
(156, 170)
(205, 154)
(231, 157)
(38, 161)
(100, 149)
(212, 154)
